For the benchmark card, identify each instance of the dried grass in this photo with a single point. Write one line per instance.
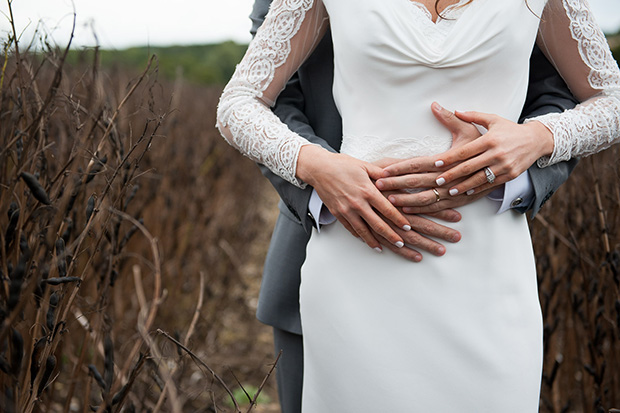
(116, 193)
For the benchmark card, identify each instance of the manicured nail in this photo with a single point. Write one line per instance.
(440, 181)
(378, 249)
(454, 191)
(437, 106)
(400, 244)
(407, 227)
(439, 164)
(470, 192)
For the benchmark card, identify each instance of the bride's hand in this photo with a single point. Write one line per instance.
(422, 173)
(505, 151)
(346, 187)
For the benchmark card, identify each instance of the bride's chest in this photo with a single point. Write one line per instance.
(406, 27)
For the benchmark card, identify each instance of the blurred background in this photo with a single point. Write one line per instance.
(132, 237)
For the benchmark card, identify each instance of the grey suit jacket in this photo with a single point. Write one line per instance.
(307, 107)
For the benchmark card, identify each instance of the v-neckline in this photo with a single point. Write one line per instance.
(434, 19)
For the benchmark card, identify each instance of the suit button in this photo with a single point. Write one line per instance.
(312, 220)
(516, 202)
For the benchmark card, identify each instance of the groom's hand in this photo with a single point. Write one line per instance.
(421, 234)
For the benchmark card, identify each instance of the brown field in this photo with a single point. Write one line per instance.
(127, 222)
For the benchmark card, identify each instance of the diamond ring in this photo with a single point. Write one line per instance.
(490, 175)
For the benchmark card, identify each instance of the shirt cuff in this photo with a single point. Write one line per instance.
(319, 211)
(514, 194)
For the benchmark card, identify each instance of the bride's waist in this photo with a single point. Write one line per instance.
(372, 148)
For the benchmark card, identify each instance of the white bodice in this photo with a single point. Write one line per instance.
(392, 62)
(386, 78)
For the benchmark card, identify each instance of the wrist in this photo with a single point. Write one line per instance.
(308, 162)
(541, 136)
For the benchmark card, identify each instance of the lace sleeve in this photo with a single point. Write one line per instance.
(575, 44)
(291, 30)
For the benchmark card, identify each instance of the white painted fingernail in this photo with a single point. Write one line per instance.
(400, 244)
(407, 227)
(439, 164)
(454, 191)
(471, 191)
(378, 249)
(440, 181)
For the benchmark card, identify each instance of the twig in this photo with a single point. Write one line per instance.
(202, 363)
(192, 326)
(260, 388)
(563, 239)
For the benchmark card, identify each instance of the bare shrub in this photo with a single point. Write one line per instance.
(577, 245)
(116, 193)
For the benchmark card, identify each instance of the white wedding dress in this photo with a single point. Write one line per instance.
(462, 332)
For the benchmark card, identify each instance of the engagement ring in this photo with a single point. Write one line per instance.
(490, 175)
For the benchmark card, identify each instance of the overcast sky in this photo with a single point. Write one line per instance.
(123, 23)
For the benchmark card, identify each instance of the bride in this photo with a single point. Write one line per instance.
(458, 333)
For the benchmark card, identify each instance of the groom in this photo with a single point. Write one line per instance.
(307, 107)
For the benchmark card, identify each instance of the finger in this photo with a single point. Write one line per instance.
(374, 171)
(487, 188)
(389, 211)
(417, 241)
(423, 198)
(408, 181)
(454, 202)
(448, 119)
(405, 252)
(480, 118)
(461, 153)
(479, 159)
(362, 230)
(448, 215)
(410, 166)
(431, 228)
(468, 185)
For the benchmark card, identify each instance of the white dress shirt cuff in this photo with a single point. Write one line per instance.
(319, 211)
(513, 194)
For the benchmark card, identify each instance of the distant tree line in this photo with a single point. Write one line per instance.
(201, 64)
(211, 64)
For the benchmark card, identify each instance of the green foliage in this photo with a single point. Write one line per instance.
(242, 398)
(211, 64)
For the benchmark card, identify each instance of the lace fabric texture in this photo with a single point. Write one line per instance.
(593, 76)
(291, 30)
(438, 31)
(374, 148)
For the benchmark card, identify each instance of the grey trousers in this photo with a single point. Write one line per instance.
(290, 369)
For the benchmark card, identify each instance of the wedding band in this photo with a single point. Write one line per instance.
(490, 175)
(437, 197)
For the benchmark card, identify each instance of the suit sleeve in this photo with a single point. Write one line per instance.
(547, 93)
(290, 109)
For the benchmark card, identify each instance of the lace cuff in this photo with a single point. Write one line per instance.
(577, 47)
(589, 128)
(291, 30)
